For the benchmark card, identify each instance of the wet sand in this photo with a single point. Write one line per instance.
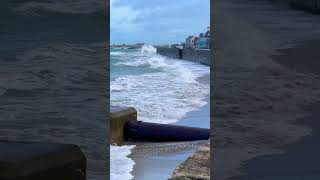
(260, 94)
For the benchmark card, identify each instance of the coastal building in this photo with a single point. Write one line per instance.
(200, 42)
(204, 40)
(196, 42)
(192, 42)
(188, 42)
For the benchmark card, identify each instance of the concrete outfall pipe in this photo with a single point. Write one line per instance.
(154, 132)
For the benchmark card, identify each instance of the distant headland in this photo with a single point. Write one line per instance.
(127, 46)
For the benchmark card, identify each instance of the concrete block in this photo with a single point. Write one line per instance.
(119, 117)
(39, 161)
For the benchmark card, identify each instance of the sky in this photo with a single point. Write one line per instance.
(157, 22)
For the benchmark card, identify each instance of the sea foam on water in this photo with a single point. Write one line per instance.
(163, 90)
(120, 164)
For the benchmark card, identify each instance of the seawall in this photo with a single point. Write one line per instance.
(170, 52)
(202, 56)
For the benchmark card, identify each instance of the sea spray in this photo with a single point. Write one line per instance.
(148, 49)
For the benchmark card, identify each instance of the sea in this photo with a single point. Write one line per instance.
(162, 89)
(53, 80)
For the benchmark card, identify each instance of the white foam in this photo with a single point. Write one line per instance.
(120, 165)
(116, 87)
(174, 101)
(116, 53)
(146, 60)
(163, 95)
(148, 49)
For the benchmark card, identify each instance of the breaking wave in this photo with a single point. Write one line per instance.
(148, 48)
(163, 90)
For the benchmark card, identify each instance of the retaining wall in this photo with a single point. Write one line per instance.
(196, 55)
(169, 52)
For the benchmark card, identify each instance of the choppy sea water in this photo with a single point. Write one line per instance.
(53, 86)
(162, 90)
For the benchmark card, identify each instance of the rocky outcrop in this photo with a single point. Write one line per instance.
(196, 167)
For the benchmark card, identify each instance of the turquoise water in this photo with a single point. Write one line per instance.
(163, 90)
(119, 56)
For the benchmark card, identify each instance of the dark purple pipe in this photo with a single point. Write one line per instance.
(153, 132)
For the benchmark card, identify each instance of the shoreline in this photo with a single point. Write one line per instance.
(159, 160)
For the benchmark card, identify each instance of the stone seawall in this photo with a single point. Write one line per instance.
(169, 52)
(199, 55)
(196, 55)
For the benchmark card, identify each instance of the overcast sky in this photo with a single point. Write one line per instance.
(157, 21)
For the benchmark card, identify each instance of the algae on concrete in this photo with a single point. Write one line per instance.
(119, 117)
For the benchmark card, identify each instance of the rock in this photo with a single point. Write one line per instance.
(196, 167)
